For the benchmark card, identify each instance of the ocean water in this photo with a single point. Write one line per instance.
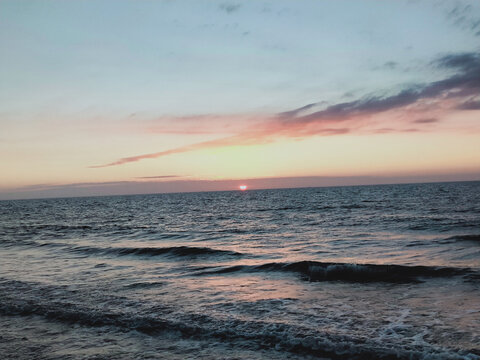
(378, 272)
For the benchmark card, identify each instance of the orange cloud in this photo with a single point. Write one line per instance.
(420, 104)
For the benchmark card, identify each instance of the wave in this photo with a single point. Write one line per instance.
(469, 237)
(177, 251)
(44, 301)
(96, 229)
(145, 285)
(359, 273)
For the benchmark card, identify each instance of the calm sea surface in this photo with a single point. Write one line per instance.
(388, 271)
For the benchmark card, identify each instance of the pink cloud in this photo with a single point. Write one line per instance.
(426, 102)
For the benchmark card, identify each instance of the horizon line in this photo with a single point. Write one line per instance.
(46, 197)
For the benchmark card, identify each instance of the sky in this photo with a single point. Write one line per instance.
(112, 96)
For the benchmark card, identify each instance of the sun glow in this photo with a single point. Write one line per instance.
(243, 187)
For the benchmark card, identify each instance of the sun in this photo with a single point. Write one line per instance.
(243, 187)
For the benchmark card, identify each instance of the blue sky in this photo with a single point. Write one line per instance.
(190, 57)
(90, 82)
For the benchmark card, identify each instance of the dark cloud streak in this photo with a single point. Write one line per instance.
(425, 121)
(160, 177)
(465, 82)
(229, 7)
(470, 105)
(462, 61)
(463, 16)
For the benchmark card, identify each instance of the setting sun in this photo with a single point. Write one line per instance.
(243, 187)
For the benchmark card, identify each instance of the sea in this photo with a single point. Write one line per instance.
(361, 272)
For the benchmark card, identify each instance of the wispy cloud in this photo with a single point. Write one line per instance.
(466, 82)
(469, 105)
(229, 7)
(425, 121)
(464, 16)
(467, 62)
(161, 177)
(455, 92)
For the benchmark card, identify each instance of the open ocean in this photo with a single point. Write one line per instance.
(388, 272)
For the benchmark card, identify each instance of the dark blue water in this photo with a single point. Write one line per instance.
(388, 271)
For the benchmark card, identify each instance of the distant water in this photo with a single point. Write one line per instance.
(388, 271)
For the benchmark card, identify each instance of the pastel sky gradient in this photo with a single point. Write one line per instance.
(113, 96)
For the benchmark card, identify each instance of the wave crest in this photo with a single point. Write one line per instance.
(177, 251)
(360, 273)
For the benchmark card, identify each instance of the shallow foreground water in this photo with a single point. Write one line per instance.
(389, 271)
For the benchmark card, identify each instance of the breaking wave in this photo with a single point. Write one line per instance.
(360, 273)
(469, 237)
(254, 334)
